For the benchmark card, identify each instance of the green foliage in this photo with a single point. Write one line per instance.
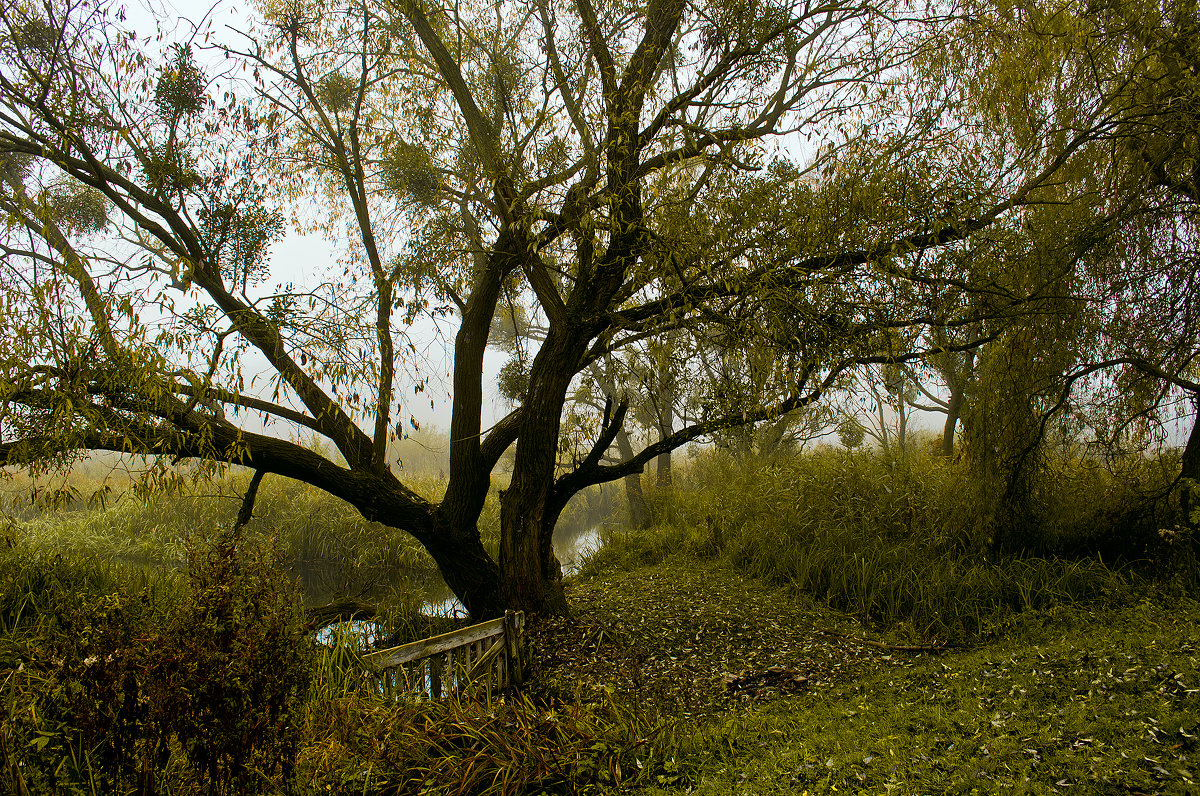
(513, 379)
(38, 582)
(239, 238)
(409, 171)
(898, 540)
(168, 170)
(41, 592)
(84, 210)
(851, 433)
(180, 87)
(99, 690)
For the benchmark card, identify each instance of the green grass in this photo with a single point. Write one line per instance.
(1073, 673)
(1085, 696)
(306, 523)
(328, 545)
(1107, 700)
(1103, 699)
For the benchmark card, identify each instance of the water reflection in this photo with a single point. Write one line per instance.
(574, 548)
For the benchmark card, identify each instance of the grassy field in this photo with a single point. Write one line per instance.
(829, 623)
(1102, 699)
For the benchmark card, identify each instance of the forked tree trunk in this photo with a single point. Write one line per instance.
(957, 380)
(530, 575)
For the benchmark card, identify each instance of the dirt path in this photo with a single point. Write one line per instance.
(693, 639)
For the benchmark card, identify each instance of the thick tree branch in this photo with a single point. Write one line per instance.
(248, 402)
(380, 498)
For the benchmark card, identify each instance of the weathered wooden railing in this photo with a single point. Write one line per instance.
(484, 657)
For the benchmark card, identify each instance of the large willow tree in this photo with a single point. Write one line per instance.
(763, 170)
(1115, 347)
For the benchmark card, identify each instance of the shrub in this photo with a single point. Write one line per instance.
(120, 688)
(232, 669)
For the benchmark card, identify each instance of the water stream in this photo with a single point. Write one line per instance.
(572, 547)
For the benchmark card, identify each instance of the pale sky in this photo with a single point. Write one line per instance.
(306, 260)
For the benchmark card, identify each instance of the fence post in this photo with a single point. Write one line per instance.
(514, 646)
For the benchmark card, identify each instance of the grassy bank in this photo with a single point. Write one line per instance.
(832, 623)
(326, 543)
(679, 677)
(901, 542)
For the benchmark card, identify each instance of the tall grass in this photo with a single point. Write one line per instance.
(897, 540)
(96, 673)
(361, 742)
(325, 541)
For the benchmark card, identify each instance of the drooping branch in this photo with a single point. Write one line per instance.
(224, 396)
(331, 419)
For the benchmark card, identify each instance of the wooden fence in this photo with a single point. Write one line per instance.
(484, 657)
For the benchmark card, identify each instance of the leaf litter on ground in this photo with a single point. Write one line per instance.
(774, 692)
(692, 639)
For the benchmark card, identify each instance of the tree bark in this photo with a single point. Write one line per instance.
(957, 380)
(953, 411)
(663, 468)
(666, 420)
(530, 573)
(1189, 473)
(639, 512)
(470, 573)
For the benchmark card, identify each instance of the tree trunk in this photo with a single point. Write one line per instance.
(771, 437)
(639, 512)
(663, 469)
(1189, 474)
(666, 427)
(470, 573)
(530, 574)
(666, 419)
(953, 410)
(957, 381)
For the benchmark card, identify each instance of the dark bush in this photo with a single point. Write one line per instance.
(232, 670)
(105, 649)
(119, 690)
